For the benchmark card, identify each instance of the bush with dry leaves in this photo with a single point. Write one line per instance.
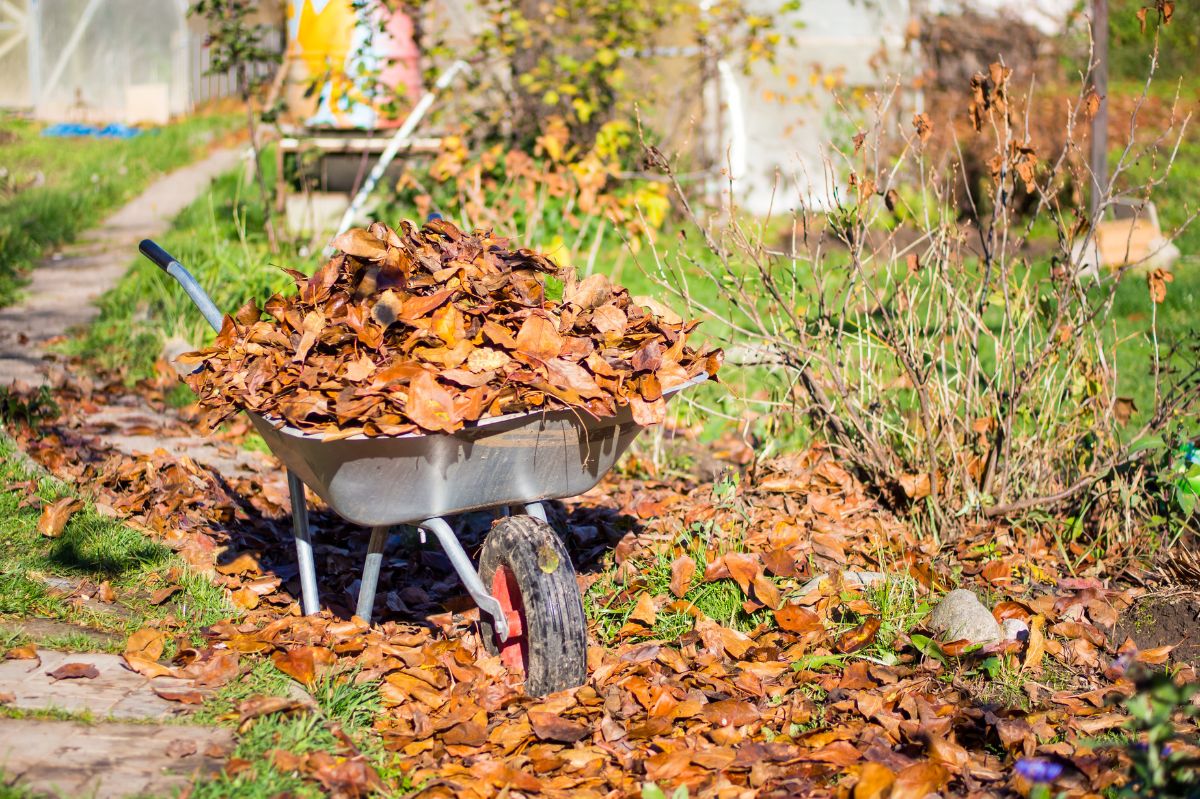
(973, 368)
(428, 329)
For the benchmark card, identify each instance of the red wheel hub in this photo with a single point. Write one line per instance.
(508, 594)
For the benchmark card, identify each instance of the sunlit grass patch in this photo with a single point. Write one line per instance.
(91, 547)
(53, 189)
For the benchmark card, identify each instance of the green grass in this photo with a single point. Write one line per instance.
(217, 238)
(92, 547)
(54, 189)
(609, 601)
(340, 700)
(8, 791)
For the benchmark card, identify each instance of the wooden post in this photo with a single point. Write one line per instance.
(1099, 159)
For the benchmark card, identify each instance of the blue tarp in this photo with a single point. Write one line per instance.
(71, 130)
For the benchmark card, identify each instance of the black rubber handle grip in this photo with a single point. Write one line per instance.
(161, 258)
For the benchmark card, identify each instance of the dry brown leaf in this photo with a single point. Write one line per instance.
(683, 568)
(55, 516)
(874, 781)
(860, 636)
(185, 696)
(75, 671)
(163, 594)
(553, 727)
(644, 611)
(796, 619)
(27, 652)
(919, 781)
(303, 663)
(539, 338)
(146, 643)
(1036, 648)
(430, 405)
(244, 563)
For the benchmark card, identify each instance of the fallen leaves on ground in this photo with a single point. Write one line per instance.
(797, 690)
(55, 516)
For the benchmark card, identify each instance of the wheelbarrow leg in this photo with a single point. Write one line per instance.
(466, 572)
(370, 576)
(309, 600)
(534, 509)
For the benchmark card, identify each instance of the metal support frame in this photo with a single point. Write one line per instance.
(466, 572)
(310, 601)
(370, 575)
(68, 49)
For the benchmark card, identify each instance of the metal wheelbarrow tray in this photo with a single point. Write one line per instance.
(532, 614)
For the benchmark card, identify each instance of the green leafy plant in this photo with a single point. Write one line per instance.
(588, 62)
(1157, 768)
(27, 409)
(236, 44)
(965, 376)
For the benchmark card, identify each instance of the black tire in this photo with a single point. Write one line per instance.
(554, 645)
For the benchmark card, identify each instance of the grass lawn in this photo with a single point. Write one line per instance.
(93, 547)
(52, 189)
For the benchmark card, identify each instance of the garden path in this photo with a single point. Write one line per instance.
(153, 755)
(63, 288)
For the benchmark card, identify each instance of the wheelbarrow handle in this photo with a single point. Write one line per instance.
(166, 262)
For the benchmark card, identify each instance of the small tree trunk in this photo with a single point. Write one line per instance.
(1099, 154)
(252, 129)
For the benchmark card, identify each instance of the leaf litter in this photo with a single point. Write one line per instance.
(429, 329)
(793, 690)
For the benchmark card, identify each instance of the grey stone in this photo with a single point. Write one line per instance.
(1014, 630)
(40, 629)
(961, 616)
(74, 759)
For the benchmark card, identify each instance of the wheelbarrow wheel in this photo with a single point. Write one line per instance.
(527, 569)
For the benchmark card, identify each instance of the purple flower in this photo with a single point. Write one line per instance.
(1036, 769)
(1143, 747)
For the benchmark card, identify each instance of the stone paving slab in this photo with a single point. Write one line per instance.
(54, 628)
(116, 692)
(142, 430)
(73, 760)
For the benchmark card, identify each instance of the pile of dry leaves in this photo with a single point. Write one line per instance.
(430, 328)
(823, 696)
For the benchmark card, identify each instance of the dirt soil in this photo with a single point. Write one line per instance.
(1156, 621)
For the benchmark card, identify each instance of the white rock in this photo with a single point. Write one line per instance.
(1014, 630)
(961, 616)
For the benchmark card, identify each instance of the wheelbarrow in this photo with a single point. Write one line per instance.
(531, 610)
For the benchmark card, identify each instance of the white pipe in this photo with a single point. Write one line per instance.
(399, 140)
(736, 126)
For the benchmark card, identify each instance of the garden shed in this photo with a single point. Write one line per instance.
(105, 60)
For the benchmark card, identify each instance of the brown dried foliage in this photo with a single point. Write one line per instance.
(429, 329)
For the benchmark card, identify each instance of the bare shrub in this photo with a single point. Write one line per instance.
(965, 363)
